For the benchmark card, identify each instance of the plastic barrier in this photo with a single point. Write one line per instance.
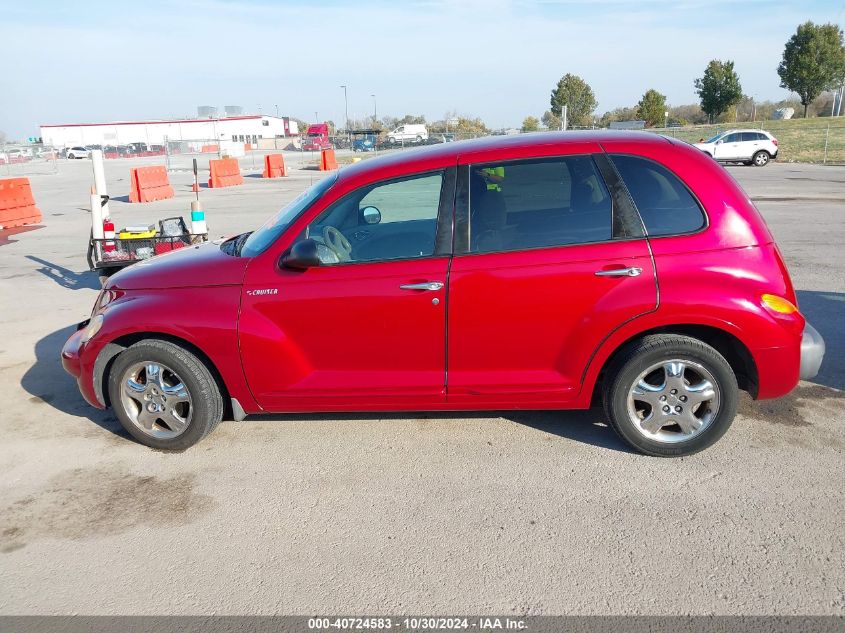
(225, 172)
(17, 206)
(327, 160)
(274, 166)
(149, 184)
(206, 149)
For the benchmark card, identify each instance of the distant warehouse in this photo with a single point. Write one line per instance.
(240, 129)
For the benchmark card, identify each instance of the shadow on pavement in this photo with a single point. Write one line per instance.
(825, 311)
(5, 234)
(65, 277)
(49, 382)
(586, 427)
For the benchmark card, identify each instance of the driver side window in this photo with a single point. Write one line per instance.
(396, 219)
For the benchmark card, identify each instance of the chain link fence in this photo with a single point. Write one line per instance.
(20, 160)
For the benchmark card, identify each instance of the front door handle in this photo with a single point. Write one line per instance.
(425, 285)
(620, 272)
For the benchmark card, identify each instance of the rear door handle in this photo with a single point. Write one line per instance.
(620, 272)
(425, 285)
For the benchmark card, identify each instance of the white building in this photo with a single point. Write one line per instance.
(241, 129)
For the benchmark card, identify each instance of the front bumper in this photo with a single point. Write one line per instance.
(812, 352)
(77, 366)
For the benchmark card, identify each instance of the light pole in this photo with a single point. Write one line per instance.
(277, 110)
(346, 109)
(665, 119)
(375, 110)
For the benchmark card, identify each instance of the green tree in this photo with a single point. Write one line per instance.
(530, 124)
(412, 119)
(813, 61)
(470, 128)
(574, 93)
(551, 121)
(652, 108)
(617, 114)
(719, 88)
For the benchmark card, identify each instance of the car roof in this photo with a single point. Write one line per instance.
(447, 151)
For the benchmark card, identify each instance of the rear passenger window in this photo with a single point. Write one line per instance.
(665, 204)
(752, 136)
(537, 203)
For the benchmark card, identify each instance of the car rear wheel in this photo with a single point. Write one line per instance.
(163, 395)
(670, 395)
(71, 156)
(761, 158)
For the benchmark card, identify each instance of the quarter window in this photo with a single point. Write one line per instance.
(537, 204)
(665, 204)
(384, 221)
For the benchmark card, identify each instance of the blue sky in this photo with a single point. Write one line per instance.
(498, 59)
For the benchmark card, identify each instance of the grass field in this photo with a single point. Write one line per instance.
(800, 140)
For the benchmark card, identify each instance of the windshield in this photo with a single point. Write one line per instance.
(262, 238)
(715, 138)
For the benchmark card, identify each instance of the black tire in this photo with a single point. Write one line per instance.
(641, 355)
(761, 158)
(70, 156)
(207, 402)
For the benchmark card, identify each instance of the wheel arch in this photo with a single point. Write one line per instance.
(736, 352)
(107, 356)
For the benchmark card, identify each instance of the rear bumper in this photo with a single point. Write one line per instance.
(812, 352)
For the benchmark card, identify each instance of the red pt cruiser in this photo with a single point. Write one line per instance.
(544, 271)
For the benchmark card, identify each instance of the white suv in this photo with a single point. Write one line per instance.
(750, 147)
(78, 152)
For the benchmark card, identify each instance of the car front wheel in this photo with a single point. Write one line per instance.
(670, 395)
(761, 158)
(163, 395)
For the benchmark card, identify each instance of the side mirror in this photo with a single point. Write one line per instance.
(302, 255)
(719, 142)
(371, 215)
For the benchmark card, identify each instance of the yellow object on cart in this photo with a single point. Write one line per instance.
(137, 232)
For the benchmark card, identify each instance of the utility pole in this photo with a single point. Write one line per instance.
(375, 110)
(277, 110)
(563, 121)
(346, 109)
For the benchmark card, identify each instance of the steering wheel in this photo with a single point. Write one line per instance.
(338, 243)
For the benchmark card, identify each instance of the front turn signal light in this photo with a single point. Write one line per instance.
(779, 304)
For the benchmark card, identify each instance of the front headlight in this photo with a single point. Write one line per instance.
(92, 328)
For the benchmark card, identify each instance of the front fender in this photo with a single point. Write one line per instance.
(206, 318)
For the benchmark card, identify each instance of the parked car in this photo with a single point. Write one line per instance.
(529, 266)
(78, 152)
(750, 147)
(408, 133)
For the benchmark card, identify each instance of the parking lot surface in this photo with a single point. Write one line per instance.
(518, 512)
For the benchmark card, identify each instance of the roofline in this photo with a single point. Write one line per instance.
(168, 121)
(452, 151)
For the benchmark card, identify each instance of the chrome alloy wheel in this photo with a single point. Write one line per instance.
(673, 401)
(156, 400)
(761, 159)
